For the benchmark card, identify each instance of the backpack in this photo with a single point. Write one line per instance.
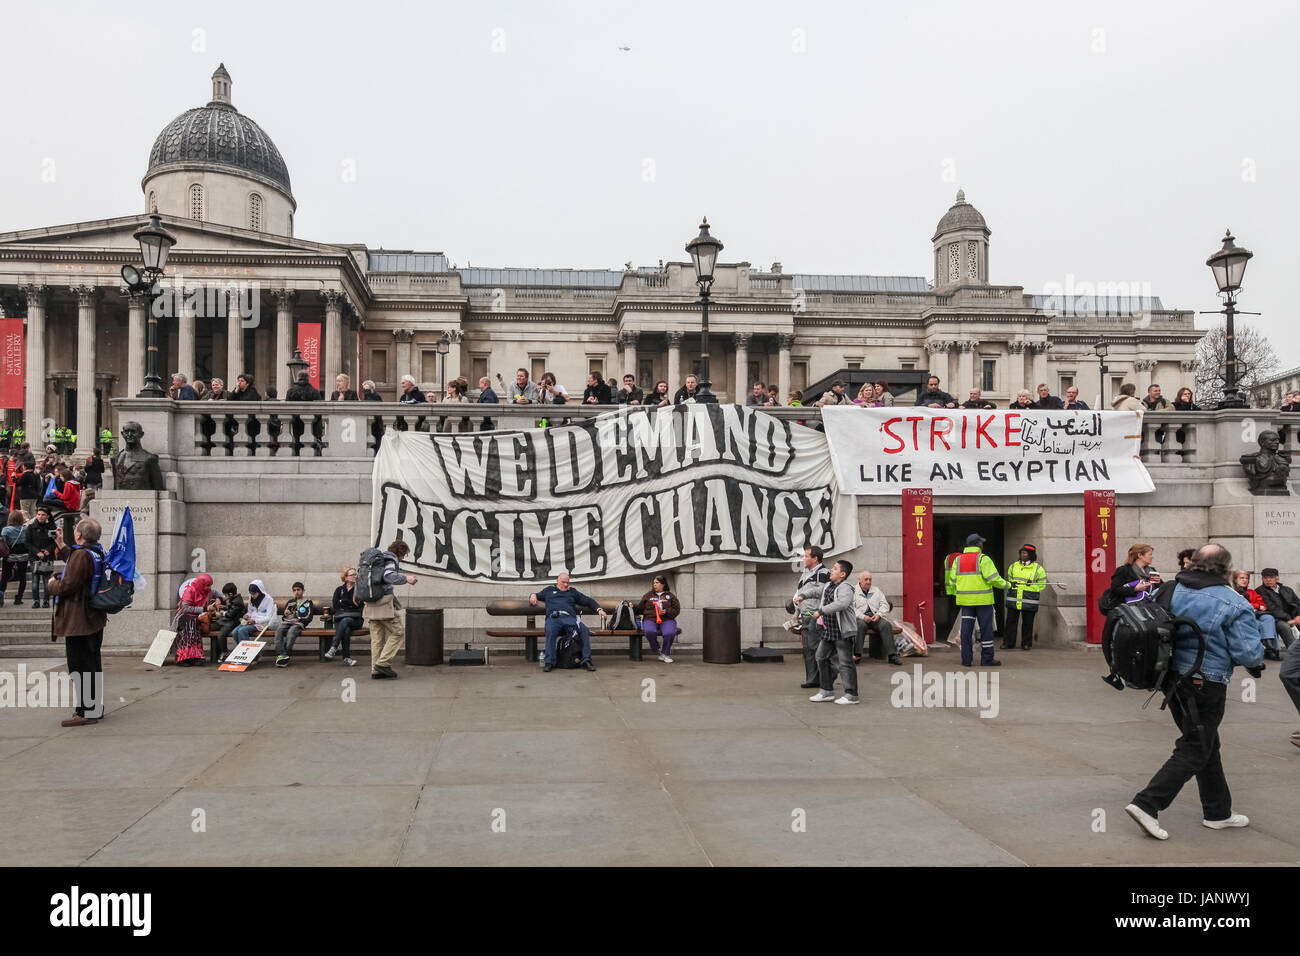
(370, 576)
(1142, 644)
(109, 591)
(568, 648)
(623, 619)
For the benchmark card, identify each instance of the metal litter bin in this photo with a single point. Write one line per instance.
(721, 639)
(424, 636)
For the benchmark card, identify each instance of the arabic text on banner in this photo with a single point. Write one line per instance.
(628, 492)
(879, 451)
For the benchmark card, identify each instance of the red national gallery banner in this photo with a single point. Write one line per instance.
(13, 363)
(880, 451)
(309, 346)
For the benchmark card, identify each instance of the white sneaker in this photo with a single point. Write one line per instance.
(349, 662)
(665, 658)
(329, 655)
(822, 695)
(847, 699)
(1147, 822)
(1236, 820)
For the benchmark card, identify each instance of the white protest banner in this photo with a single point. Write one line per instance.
(879, 451)
(627, 492)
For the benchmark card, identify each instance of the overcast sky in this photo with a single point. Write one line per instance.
(1103, 142)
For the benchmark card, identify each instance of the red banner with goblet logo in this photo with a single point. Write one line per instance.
(918, 560)
(1099, 554)
(309, 347)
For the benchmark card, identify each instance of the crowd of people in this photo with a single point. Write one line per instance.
(39, 498)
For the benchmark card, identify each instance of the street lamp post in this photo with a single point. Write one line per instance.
(1228, 266)
(155, 243)
(704, 251)
(444, 346)
(297, 365)
(1102, 348)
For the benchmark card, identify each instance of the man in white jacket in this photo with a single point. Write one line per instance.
(870, 607)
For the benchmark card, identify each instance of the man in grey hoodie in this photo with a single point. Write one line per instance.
(840, 629)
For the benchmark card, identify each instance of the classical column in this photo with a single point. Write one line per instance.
(674, 361)
(784, 343)
(87, 426)
(939, 365)
(403, 339)
(1040, 367)
(234, 342)
(283, 339)
(451, 363)
(331, 362)
(352, 322)
(742, 366)
(1144, 368)
(34, 413)
(629, 340)
(1016, 372)
(965, 369)
(137, 344)
(185, 320)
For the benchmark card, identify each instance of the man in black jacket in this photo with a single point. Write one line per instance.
(1047, 400)
(975, 401)
(1072, 401)
(596, 392)
(1283, 604)
(244, 391)
(688, 392)
(935, 397)
(629, 394)
(303, 390)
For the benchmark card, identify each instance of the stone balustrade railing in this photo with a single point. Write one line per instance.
(185, 434)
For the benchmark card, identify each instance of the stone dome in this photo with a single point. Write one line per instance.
(962, 215)
(219, 135)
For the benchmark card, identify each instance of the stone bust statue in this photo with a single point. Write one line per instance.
(1268, 470)
(135, 469)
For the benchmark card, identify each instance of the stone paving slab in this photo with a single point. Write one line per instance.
(269, 826)
(550, 824)
(318, 764)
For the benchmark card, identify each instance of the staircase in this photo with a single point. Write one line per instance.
(25, 632)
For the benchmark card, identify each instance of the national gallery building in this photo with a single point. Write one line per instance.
(250, 285)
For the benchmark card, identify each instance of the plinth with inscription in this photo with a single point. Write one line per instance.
(161, 551)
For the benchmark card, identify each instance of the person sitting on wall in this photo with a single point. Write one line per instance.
(298, 613)
(227, 610)
(260, 613)
(870, 607)
(562, 603)
(659, 608)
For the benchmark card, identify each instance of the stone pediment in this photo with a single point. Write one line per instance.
(191, 236)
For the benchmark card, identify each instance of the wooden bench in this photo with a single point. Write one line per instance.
(530, 632)
(324, 635)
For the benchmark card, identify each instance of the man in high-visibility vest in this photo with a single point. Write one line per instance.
(1026, 578)
(106, 441)
(971, 579)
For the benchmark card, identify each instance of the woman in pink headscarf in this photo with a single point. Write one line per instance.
(189, 639)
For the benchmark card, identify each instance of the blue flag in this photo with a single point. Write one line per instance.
(121, 554)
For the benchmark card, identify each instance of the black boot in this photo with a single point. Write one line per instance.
(1113, 680)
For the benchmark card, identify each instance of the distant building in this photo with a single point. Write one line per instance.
(224, 190)
(1272, 392)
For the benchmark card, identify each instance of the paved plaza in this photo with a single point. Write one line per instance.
(727, 766)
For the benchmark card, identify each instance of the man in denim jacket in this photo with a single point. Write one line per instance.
(1231, 638)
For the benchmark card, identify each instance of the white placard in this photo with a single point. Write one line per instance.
(956, 451)
(162, 644)
(244, 654)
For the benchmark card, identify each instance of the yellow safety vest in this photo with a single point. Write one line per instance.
(1026, 581)
(972, 578)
